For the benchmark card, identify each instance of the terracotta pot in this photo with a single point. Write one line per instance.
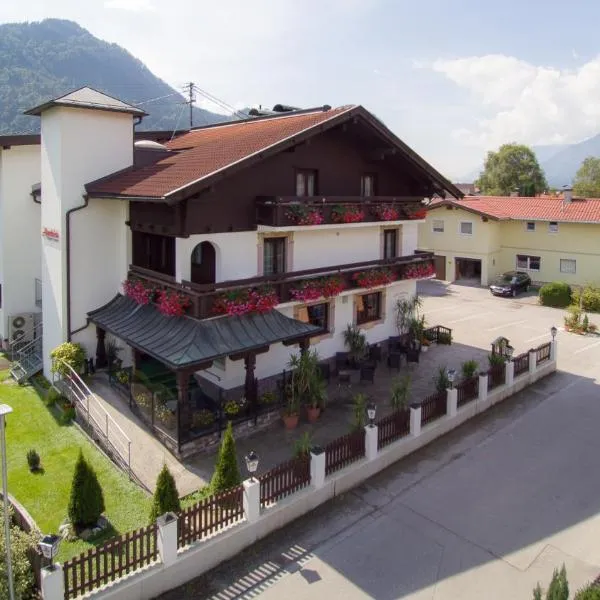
(313, 412)
(290, 421)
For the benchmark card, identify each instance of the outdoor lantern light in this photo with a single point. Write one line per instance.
(553, 332)
(451, 376)
(371, 410)
(509, 352)
(251, 463)
(49, 547)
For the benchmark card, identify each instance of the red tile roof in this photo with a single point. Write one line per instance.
(203, 152)
(541, 208)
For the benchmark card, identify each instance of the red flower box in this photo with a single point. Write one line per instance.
(421, 271)
(418, 214)
(374, 278)
(386, 213)
(138, 291)
(172, 303)
(304, 215)
(347, 214)
(313, 289)
(241, 302)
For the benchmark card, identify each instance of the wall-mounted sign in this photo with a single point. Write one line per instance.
(50, 234)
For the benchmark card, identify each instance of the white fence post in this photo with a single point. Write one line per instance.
(53, 586)
(415, 420)
(371, 442)
(451, 402)
(252, 499)
(166, 539)
(532, 361)
(509, 373)
(483, 387)
(317, 467)
(553, 350)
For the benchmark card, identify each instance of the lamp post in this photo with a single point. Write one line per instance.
(451, 377)
(553, 332)
(251, 463)
(508, 351)
(371, 410)
(6, 410)
(49, 547)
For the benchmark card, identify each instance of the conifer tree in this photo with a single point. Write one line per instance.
(166, 497)
(86, 502)
(227, 472)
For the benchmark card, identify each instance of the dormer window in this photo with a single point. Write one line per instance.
(306, 182)
(367, 185)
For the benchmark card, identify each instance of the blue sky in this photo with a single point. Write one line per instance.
(452, 78)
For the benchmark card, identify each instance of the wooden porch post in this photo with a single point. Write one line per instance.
(250, 382)
(304, 345)
(100, 348)
(184, 420)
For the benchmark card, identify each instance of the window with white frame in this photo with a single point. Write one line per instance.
(568, 265)
(530, 226)
(466, 228)
(528, 263)
(553, 227)
(437, 226)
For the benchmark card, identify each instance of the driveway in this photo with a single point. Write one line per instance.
(485, 512)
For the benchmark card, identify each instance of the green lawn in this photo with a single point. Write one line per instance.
(46, 494)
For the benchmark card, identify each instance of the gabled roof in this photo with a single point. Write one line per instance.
(540, 208)
(203, 154)
(87, 97)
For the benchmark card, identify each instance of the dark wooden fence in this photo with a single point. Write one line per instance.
(521, 363)
(109, 562)
(433, 407)
(284, 479)
(496, 376)
(542, 353)
(467, 390)
(209, 516)
(438, 334)
(393, 427)
(344, 451)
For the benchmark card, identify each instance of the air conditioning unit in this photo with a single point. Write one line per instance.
(21, 328)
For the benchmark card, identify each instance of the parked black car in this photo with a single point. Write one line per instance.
(510, 284)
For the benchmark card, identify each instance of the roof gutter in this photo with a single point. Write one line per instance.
(70, 333)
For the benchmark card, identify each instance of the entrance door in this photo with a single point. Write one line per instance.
(440, 267)
(203, 263)
(468, 270)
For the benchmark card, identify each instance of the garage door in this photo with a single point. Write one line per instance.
(440, 267)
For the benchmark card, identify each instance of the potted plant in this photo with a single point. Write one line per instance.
(399, 392)
(469, 368)
(231, 408)
(307, 384)
(356, 341)
(291, 413)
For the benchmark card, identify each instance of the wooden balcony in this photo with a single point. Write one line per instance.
(203, 300)
(294, 211)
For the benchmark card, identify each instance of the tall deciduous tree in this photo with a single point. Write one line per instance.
(587, 179)
(512, 168)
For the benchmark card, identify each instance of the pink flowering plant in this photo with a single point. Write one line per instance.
(419, 271)
(172, 304)
(347, 214)
(374, 278)
(305, 215)
(241, 302)
(313, 289)
(138, 291)
(385, 212)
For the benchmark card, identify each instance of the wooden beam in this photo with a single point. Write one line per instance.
(244, 354)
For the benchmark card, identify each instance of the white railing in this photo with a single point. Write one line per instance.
(107, 431)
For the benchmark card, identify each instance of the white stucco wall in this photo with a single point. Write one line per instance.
(78, 146)
(410, 238)
(20, 241)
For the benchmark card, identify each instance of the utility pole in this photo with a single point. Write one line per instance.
(191, 99)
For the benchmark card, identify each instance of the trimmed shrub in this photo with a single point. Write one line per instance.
(33, 460)
(441, 380)
(227, 472)
(86, 503)
(166, 497)
(52, 396)
(469, 368)
(556, 294)
(71, 353)
(588, 593)
(21, 544)
(588, 298)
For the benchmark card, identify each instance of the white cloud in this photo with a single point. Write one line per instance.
(131, 5)
(514, 100)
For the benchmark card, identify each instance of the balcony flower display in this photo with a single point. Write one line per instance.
(386, 213)
(172, 304)
(420, 271)
(418, 214)
(241, 302)
(313, 289)
(138, 291)
(347, 214)
(305, 215)
(374, 278)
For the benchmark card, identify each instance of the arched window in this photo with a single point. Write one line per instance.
(203, 263)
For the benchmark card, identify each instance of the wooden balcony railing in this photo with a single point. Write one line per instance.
(292, 211)
(204, 299)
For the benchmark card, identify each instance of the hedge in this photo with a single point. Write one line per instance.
(556, 294)
(589, 298)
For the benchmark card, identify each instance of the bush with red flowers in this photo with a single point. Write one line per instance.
(241, 302)
(138, 291)
(385, 212)
(374, 278)
(420, 271)
(305, 215)
(313, 289)
(172, 304)
(347, 214)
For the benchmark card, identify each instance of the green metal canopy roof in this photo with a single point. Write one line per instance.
(183, 342)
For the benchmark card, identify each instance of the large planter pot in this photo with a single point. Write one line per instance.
(313, 412)
(290, 421)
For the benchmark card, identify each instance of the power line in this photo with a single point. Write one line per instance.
(189, 87)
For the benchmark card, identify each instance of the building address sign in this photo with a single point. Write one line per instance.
(51, 234)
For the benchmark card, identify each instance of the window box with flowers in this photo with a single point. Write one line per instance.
(172, 304)
(374, 278)
(385, 212)
(347, 214)
(421, 213)
(305, 215)
(241, 302)
(138, 291)
(313, 289)
(421, 271)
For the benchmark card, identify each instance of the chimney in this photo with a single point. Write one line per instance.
(567, 194)
(514, 194)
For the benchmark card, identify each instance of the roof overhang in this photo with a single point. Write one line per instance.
(445, 203)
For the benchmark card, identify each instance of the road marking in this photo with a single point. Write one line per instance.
(539, 337)
(506, 325)
(441, 309)
(587, 347)
(476, 316)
